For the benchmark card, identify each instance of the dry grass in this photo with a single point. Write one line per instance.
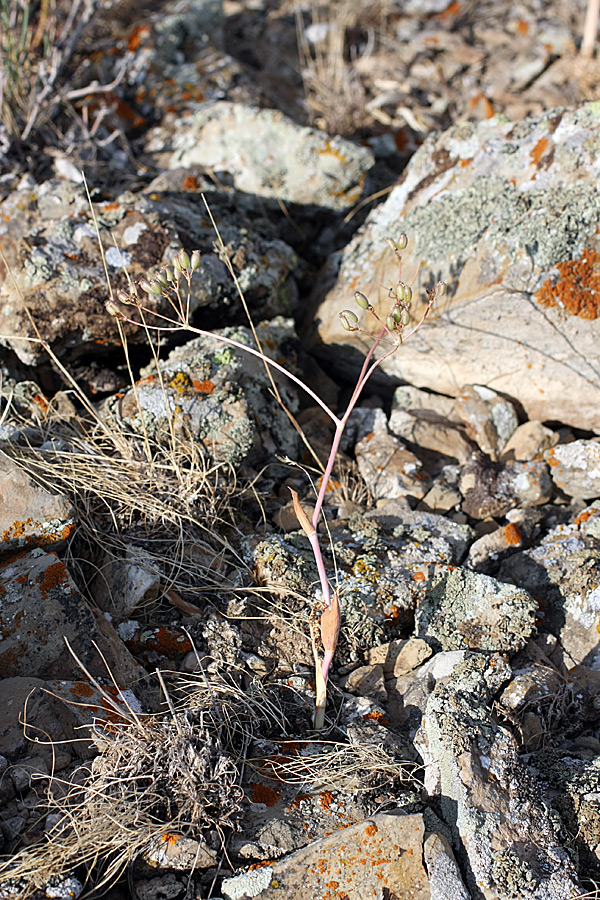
(345, 33)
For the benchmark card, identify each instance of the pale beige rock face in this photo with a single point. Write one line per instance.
(491, 209)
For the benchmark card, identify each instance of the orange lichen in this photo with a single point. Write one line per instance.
(418, 576)
(54, 575)
(190, 183)
(538, 151)
(522, 26)
(262, 793)
(512, 534)
(577, 291)
(376, 716)
(205, 387)
(371, 829)
(326, 798)
(452, 10)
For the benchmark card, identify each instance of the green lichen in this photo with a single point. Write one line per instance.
(512, 876)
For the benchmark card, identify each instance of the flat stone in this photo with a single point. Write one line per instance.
(441, 436)
(506, 213)
(399, 657)
(489, 418)
(529, 441)
(40, 606)
(379, 854)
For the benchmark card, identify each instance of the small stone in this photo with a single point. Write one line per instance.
(27, 772)
(492, 489)
(366, 681)
(445, 880)
(490, 419)
(529, 441)
(440, 436)
(399, 657)
(575, 468)
(389, 468)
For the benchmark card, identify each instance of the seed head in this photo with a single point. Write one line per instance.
(184, 260)
(440, 289)
(402, 242)
(195, 260)
(362, 300)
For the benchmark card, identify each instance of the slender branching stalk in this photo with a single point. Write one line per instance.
(174, 284)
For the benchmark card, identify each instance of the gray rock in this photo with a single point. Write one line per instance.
(493, 804)
(490, 419)
(445, 881)
(575, 468)
(218, 396)
(292, 163)
(458, 609)
(440, 536)
(399, 657)
(506, 213)
(122, 585)
(22, 699)
(27, 771)
(563, 572)
(493, 489)
(382, 853)
(180, 853)
(408, 694)
(30, 514)
(389, 468)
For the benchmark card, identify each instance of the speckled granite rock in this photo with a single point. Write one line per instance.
(489, 798)
(507, 214)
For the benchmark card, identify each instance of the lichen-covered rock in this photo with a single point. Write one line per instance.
(218, 396)
(445, 880)
(389, 468)
(507, 214)
(290, 162)
(575, 468)
(30, 515)
(378, 570)
(492, 802)
(379, 856)
(459, 609)
(563, 573)
(492, 489)
(529, 441)
(61, 275)
(40, 606)
(490, 419)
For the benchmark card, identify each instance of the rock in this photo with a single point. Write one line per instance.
(164, 887)
(382, 853)
(493, 804)
(363, 421)
(366, 681)
(122, 585)
(221, 136)
(563, 572)
(438, 536)
(218, 396)
(442, 497)
(27, 771)
(445, 880)
(489, 208)
(493, 489)
(488, 551)
(62, 277)
(389, 468)
(575, 468)
(425, 405)
(399, 657)
(441, 436)
(30, 514)
(174, 851)
(490, 419)
(408, 694)
(458, 609)
(526, 698)
(23, 699)
(529, 441)
(40, 607)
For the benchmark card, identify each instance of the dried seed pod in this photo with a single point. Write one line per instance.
(184, 260)
(405, 317)
(391, 244)
(440, 288)
(124, 297)
(390, 323)
(407, 294)
(397, 314)
(402, 242)
(113, 309)
(195, 260)
(400, 291)
(362, 300)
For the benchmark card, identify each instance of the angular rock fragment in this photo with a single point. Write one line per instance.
(489, 418)
(30, 515)
(494, 489)
(458, 609)
(493, 804)
(389, 468)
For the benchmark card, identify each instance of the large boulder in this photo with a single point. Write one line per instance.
(507, 214)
